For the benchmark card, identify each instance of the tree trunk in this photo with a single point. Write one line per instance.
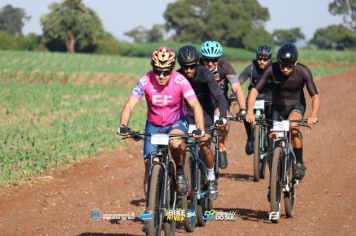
(70, 42)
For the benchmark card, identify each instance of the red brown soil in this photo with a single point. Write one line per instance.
(61, 203)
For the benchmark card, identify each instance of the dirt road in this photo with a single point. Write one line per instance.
(60, 203)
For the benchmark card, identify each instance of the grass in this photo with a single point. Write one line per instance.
(46, 125)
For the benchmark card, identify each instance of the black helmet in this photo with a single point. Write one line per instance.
(187, 55)
(288, 54)
(264, 51)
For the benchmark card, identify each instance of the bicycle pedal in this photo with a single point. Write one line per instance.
(273, 215)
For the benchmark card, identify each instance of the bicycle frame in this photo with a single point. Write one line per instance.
(283, 161)
(199, 195)
(163, 174)
(259, 108)
(165, 162)
(198, 164)
(192, 147)
(283, 139)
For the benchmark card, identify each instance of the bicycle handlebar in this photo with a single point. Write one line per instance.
(269, 122)
(137, 136)
(238, 118)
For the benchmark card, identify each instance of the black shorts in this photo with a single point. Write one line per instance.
(208, 121)
(282, 112)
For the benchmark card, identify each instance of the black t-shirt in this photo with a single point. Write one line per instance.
(254, 73)
(288, 90)
(205, 86)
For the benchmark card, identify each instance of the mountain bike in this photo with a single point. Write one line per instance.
(196, 202)
(282, 167)
(260, 142)
(162, 183)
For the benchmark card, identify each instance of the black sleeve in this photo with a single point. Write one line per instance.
(217, 93)
(264, 78)
(309, 82)
(245, 74)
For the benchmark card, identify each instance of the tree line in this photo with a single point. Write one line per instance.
(73, 27)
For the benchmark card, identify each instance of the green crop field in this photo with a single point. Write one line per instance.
(56, 108)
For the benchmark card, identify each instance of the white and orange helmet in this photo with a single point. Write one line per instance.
(163, 58)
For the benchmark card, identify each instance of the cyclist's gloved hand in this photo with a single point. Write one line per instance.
(312, 120)
(198, 133)
(220, 122)
(123, 130)
(240, 116)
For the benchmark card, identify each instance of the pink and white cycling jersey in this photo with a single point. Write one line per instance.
(165, 103)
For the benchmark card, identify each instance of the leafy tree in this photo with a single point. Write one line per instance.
(347, 8)
(72, 24)
(227, 21)
(155, 34)
(108, 44)
(12, 19)
(334, 37)
(257, 37)
(282, 36)
(139, 34)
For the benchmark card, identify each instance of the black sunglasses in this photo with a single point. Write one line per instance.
(263, 59)
(213, 60)
(162, 72)
(186, 67)
(286, 66)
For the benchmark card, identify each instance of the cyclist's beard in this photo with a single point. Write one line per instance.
(262, 66)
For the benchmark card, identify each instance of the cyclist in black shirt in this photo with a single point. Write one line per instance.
(253, 72)
(204, 85)
(288, 79)
(225, 75)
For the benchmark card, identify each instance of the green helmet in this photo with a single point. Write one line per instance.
(211, 49)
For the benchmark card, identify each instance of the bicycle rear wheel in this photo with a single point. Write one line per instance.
(154, 204)
(290, 195)
(189, 201)
(256, 153)
(275, 188)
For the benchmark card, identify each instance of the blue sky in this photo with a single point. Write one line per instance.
(122, 16)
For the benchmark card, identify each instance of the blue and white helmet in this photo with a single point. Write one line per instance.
(211, 49)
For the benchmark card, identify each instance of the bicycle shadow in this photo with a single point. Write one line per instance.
(116, 221)
(248, 214)
(138, 202)
(237, 177)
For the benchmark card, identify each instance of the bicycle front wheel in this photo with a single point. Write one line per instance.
(290, 195)
(189, 201)
(154, 204)
(256, 153)
(169, 226)
(275, 188)
(202, 205)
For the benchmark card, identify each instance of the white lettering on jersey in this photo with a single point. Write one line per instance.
(144, 81)
(188, 93)
(161, 100)
(181, 80)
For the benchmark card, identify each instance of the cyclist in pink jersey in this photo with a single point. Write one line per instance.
(165, 91)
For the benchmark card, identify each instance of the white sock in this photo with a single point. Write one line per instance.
(211, 174)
